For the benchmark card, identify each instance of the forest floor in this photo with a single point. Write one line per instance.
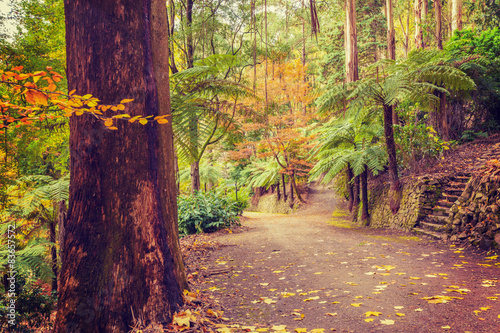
(313, 271)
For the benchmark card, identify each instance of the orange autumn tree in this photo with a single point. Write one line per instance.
(29, 97)
(278, 131)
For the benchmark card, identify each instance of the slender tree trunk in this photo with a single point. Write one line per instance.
(391, 35)
(418, 24)
(285, 198)
(195, 177)
(350, 187)
(189, 37)
(456, 15)
(121, 257)
(53, 253)
(355, 204)
(395, 190)
(254, 51)
(278, 192)
(443, 117)
(365, 216)
(351, 45)
(267, 54)
(439, 24)
(423, 20)
(295, 188)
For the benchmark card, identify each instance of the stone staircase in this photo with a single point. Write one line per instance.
(434, 223)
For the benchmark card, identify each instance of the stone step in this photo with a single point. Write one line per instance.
(437, 219)
(461, 179)
(444, 203)
(440, 211)
(456, 186)
(453, 192)
(432, 234)
(451, 198)
(432, 226)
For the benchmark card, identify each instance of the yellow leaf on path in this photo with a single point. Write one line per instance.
(486, 308)
(372, 313)
(331, 314)
(369, 320)
(123, 101)
(262, 329)
(318, 273)
(277, 272)
(415, 278)
(419, 310)
(447, 327)
(493, 298)
(301, 330)
(335, 302)
(250, 328)
(400, 314)
(264, 284)
(399, 307)
(387, 322)
(278, 327)
(143, 121)
(357, 305)
(311, 298)
(351, 283)
(317, 330)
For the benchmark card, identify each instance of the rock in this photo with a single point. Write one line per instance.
(497, 239)
(457, 221)
(463, 235)
(453, 238)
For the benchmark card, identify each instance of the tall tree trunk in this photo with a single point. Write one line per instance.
(391, 47)
(295, 188)
(121, 257)
(278, 191)
(424, 14)
(350, 187)
(456, 15)
(439, 24)
(419, 42)
(365, 216)
(391, 35)
(285, 198)
(351, 45)
(443, 116)
(254, 46)
(355, 204)
(195, 177)
(53, 253)
(189, 37)
(267, 53)
(395, 192)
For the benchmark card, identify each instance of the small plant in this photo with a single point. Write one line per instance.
(206, 212)
(469, 135)
(34, 304)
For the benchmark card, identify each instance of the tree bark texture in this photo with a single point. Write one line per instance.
(365, 216)
(419, 41)
(195, 177)
(285, 197)
(456, 15)
(350, 187)
(121, 260)
(351, 43)
(439, 24)
(189, 37)
(391, 34)
(356, 201)
(395, 190)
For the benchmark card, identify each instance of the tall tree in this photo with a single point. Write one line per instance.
(456, 15)
(419, 36)
(439, 24)
(121, 260)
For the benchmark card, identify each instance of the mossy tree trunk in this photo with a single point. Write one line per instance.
(365, 216)
(356, 201)
(121, 258)
(395, 188)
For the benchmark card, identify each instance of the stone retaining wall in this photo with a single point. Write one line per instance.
(419, 196)
(475, 216)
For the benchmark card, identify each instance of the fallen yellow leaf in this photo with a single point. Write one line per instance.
(301, 330)
(387, 322)
(447, 327)
(278, 327)
(369, 320)
(372, 313)
(400, 314)
(357, 305)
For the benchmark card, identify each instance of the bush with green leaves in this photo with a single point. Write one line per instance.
(206, 212)
(34, 304)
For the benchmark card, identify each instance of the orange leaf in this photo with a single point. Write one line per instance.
(36, 97)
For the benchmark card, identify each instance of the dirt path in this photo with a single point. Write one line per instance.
(300, 271)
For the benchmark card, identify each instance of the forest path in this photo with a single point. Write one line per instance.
(300, 271)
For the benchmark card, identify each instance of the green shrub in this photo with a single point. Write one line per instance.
(206, 212)
(34, 304)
